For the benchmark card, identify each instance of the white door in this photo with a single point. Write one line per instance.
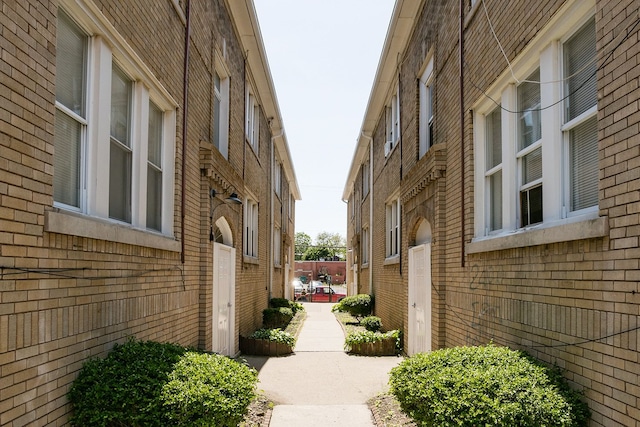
(223, 299)
(419, 336)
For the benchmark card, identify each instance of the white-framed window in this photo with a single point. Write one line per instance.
(102, 168)
(292, 202)
(364, 246)
(220, 125)
(536, 138)
(365, 179)
(250, 228)
(426, 137)
(393, 228)
(252, 125)
(392, 122)
(277, 246)
(277, 182)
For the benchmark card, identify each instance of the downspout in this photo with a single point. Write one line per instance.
(462, 156)
(370, 210)
(272, 191)
(185, 105)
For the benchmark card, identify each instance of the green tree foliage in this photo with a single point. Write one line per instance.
(316, 253)
(302, 243)
(327, 247)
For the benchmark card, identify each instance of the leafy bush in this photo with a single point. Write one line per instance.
(489, 385)
(209, 390)
(371, 323)
(358, 306)
(361, 337)
(275, 335)
(283, 302)
(130, 387)
(276, 317)
(125, 387)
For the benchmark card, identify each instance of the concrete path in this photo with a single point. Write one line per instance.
(321, 385)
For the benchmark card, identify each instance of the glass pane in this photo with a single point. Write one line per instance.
(531, 206)
(580, 66)
(120, 183)
(70, 65)
(529, 127)
(494, 138)
(66, 160)
(216, 122)
(216, 81)
(120, 107)
(532, 166)
(155, 135)
(154, 199)
(583, 155)
(495, 201)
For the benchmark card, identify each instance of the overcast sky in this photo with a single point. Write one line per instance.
(323, 56)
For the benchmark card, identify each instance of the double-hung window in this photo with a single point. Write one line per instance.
(426, 139)
(277, 182)
(536, 138)
(393, 228)
(251, 228)
(364, 246)
(114, 131)
(221, 112)
(252, 126)
(277, 246)
(392, 120)
(365, 179)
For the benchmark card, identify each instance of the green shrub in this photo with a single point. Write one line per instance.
(371, 323)
(273, 318)
(359, 305)
(485, 386)
(208, 390)
(275, 335)
(283, 302)
(362, 337)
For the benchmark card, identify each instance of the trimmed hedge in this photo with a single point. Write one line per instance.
(485, 386)
(360, 305)
(127, 387)
(372, 323)
(273, 318)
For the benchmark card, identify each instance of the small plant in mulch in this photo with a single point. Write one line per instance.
(357, 336)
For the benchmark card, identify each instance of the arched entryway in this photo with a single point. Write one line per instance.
(419, 328)
(224, 285)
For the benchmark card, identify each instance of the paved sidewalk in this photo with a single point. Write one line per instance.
(320, 385)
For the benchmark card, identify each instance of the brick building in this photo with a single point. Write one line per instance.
(318, 270)
(494, 190)
(141, 145)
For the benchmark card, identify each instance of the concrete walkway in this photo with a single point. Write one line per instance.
(320, 385)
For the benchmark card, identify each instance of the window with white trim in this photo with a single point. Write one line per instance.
(392, 120)
(365, 179)
(250, 228)
(277, 182)
(364, 246)
(548, 175)
(252, 114)
(105, 169)
(426, 137)
(277, 246)
(393, 228)
(221, 112)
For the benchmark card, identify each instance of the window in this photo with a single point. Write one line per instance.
(277, 182)
(116, 169)
(393, 228)
(277, 244)
(251, 228)
(426, 110)
(221, 112)
(365, 179)
(538, 149)
(252, 114)
(364, 246)
(392, 123)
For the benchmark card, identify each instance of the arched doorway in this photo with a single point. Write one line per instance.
(224, 285)
(419, 328)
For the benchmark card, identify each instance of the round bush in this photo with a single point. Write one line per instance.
(124, 388)
(208, 390)
(273, 318)
(371, 323)
(489, 385)
(356, 305)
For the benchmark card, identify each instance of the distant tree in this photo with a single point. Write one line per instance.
(302, 243)
(316, 253)
(334, 242)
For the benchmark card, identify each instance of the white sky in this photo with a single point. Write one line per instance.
(323, 56)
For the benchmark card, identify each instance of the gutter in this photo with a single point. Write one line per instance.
(462, 152)
(370, 209)
(185, 105)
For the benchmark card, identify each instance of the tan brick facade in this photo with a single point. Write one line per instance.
(565, 290)
(73, 282)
